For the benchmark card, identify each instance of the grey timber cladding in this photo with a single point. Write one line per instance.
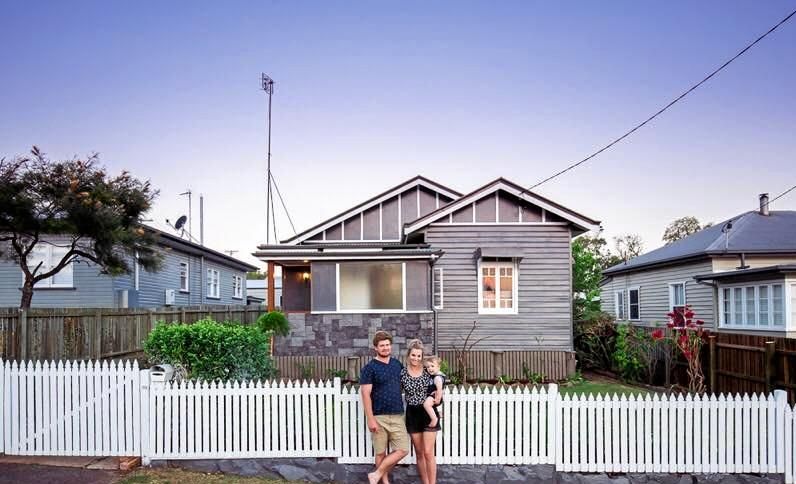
(544, 304)
(324, 286)
(91, 289)
(653, 287)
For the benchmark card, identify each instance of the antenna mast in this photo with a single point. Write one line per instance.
(267, 85)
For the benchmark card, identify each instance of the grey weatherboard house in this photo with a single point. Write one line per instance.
(191, 275)
(739, 276)
(423, 260)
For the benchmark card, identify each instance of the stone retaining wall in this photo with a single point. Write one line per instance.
(329, 471)
(350, 334)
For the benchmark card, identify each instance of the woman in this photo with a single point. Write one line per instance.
(415, 381)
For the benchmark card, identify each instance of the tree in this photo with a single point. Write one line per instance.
(273, 323)
(628, 246)
(681, 228)
(256, 275)
(586, 274)
(75, 206)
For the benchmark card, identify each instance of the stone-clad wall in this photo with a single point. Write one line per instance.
(350, 334)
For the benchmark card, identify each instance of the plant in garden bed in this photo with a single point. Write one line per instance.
(688, 335)
(595, 337)
(210, 350)
(273, 323)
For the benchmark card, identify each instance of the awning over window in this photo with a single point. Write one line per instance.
(498, 252)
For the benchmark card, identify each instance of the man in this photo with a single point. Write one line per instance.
(380, 387)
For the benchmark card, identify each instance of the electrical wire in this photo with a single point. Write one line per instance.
(661, 111)
(782, 194)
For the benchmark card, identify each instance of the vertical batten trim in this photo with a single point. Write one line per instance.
(519, 214)
(497, 207)
(342, 229)
(437, 196)
(450, 217)
(473, 212)
(544, 215)
(418, 201)
(381, 236)
(362, 225)
(400, 225)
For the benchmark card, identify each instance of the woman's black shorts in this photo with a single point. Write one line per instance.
(417, 419)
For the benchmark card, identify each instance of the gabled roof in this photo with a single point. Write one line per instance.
(371, 202)
(183, 245)
(751, 233)
(580, 221)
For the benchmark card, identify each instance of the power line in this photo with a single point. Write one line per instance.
(289, 218)
(663, 109)
(782, 194)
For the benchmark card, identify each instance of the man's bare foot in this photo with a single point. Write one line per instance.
(373, 477)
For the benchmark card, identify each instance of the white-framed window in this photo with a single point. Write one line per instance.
(677, 300)
(371, 286)
(439, 286)
(620, 305)
(49, 256)
(185, 273)
(497, 287)
(633, 304)
(213, 284)
(761, 306)
(237, 287)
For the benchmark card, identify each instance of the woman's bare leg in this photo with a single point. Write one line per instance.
(429, 443)
(420, 455)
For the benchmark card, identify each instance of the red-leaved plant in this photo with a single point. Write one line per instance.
(688, 335)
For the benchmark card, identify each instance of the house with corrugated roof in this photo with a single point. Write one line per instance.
(422, 260)
(739, 276)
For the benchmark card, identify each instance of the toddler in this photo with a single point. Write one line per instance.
(434, 390)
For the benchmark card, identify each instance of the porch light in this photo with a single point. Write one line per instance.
(305, 276)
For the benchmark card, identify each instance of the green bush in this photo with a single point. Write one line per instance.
(209, 350)
(595, 338)
(274, 322)
(628, 356)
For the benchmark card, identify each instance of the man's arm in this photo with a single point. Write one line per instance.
(438, 393)
(367, 403)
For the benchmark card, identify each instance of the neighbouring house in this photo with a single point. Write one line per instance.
(191, 275)
(739, 276)
(423, 260)
(257, 291)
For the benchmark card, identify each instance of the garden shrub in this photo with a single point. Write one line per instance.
(628, 357)
(209, 350)
(594, 341)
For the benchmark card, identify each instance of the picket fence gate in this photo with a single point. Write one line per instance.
(102, 409)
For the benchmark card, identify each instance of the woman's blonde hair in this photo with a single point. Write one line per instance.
(414, 344)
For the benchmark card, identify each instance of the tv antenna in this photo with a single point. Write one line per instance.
(267, 85)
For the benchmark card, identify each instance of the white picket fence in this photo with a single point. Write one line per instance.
(105, 409)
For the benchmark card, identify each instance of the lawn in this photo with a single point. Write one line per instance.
(602, 386)
(175, 476)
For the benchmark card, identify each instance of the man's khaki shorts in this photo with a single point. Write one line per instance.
(392, 429)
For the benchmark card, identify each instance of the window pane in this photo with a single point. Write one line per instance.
(777, 305)
(506, 288)
(633, 304)
(678, 295)
(620, 305)
(370, 285)
(738, 305)
(750, 306)
(488, 292)
(726, 306)
(762, 305)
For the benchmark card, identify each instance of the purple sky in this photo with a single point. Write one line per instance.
(369, 95)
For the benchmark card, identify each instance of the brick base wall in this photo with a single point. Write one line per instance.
(351, 334)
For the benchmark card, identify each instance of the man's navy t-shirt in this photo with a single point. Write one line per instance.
(386, 381)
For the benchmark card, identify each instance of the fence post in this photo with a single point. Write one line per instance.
(337, 401)
(353, 368)
(144, 429)
(781, 398)
(497, 364)
(771, 367)
(23, 335)
(553, 410)
(712, 359)
(3, 408)
(98, 336)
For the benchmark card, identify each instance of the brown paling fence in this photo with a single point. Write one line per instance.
(481, 365)
(74, 333)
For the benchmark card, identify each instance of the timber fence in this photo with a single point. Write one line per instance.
(114, 408)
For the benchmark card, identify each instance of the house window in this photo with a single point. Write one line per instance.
(49, 256)
(184, 273)
(761, 306)
(212, 284)
(366, 286)
(620, 306)
(677, 296)
(438, 288)
(237, 287)
(633, 304)
(497, 288)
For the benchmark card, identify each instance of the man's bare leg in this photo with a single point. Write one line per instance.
(385, 479)
(386, 465)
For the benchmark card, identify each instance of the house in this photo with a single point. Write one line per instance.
(257, 292)
(739, 276)
(191, 275)
(423, 260)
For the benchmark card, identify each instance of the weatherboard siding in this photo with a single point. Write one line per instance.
(90, 289)
(653, 287)
(544, 305)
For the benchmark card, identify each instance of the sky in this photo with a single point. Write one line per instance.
(369, 94)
